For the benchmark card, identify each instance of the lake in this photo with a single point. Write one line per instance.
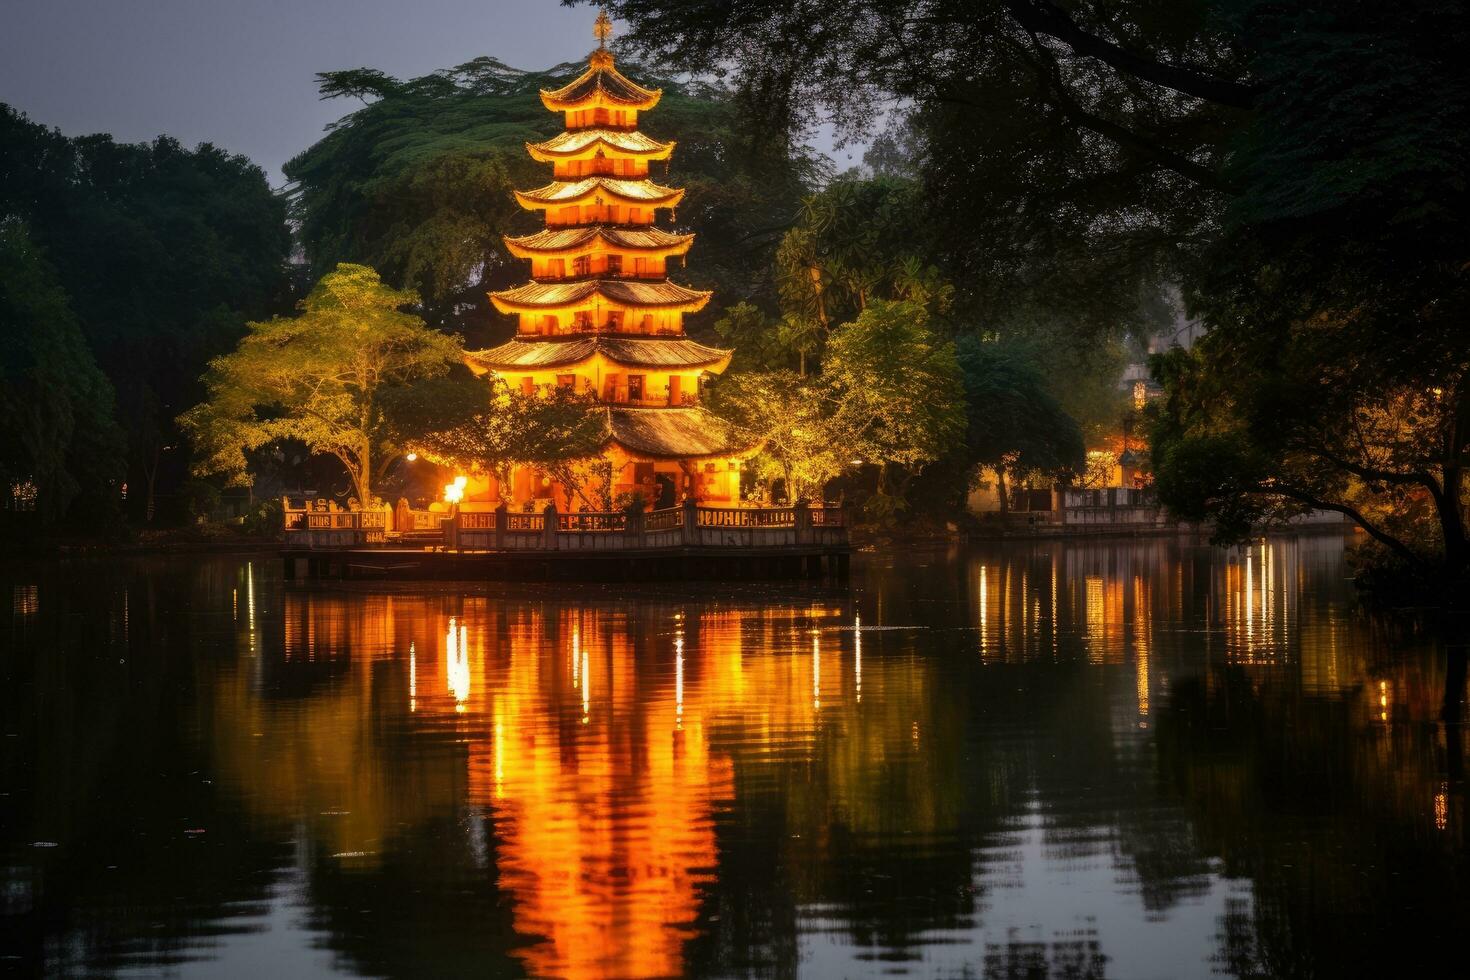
(1136, 759)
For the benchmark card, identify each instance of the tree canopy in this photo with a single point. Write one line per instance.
(162, 253)
(340, 378)
(59, 435)
(1337, 371)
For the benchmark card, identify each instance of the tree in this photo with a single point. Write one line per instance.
(339, 378)
(59, 433)
(1337, 372)
(163, 253)
(1014, 425)
(1065, 151)
(897, 388)
(794, 420)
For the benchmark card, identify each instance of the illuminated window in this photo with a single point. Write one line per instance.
(635, 387)
(566, 381)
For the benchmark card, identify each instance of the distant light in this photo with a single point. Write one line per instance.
(411, 457)
(857, 462)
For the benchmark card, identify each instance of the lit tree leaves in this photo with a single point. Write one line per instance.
(321, 378)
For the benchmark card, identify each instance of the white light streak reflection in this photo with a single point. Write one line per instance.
(457, 663)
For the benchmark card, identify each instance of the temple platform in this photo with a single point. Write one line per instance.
(689, 542)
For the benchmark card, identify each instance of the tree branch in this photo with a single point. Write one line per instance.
(1183, 166)
(1044, 17)
(1377, 533)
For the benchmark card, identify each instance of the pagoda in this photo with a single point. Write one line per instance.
(600, 315)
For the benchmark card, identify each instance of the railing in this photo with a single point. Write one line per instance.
(522, 523)
(747, 517)
(582, 521)
(685, 526)
(334, 528)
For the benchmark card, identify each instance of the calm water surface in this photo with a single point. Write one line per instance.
(1134, 760)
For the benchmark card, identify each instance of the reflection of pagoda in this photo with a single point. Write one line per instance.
(600, 315)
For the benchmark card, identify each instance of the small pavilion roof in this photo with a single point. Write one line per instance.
(674, 433)
(671, 353)
(576, 241)
(586, 142)
(600, 84)
(632, 294)
(560, 192)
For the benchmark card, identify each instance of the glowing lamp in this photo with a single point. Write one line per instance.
(454, 492)
(411, 457)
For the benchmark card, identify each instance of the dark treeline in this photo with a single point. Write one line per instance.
(127, 267)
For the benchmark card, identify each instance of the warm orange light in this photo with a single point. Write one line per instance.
(454, 492)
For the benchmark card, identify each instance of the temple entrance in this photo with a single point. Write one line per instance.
(664, 484)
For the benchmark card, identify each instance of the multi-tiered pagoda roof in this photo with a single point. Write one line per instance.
(600, 301)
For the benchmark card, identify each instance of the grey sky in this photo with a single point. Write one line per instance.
(239, 73)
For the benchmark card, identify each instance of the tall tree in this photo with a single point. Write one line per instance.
(1067, 151)
(897, 388)
(59, 434)
(1337, 372)
(163, 253)
(1014, 425)
(335, 378)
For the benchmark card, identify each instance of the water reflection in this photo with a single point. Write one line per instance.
(1099, 759)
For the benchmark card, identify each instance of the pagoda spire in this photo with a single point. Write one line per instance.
(602, 29)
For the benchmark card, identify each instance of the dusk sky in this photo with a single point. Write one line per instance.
(240, 73)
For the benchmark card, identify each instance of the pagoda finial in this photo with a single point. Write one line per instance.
(602, 29)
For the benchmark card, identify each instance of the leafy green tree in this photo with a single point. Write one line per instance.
(1014, 425)
(897, 388)
(340, 378)
(795, 421)
(59, 433)
(857, 240)
(163, 253)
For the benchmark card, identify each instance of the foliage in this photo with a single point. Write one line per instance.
(59, 431)
(888, 394)
(1071, 150)
(1014, 425)
(265, 519)
(896, 385)
(1337, 372)
(321, 378)
(559, 432)
(162, 253)
(418, 181)
(794, 420)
